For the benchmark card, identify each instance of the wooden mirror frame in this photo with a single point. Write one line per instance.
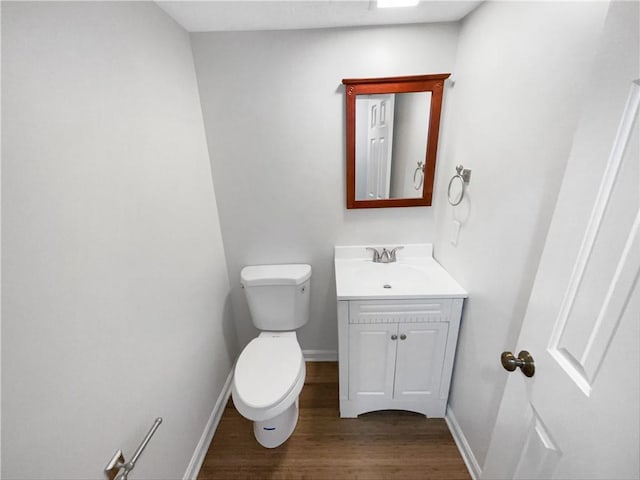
(415, 83)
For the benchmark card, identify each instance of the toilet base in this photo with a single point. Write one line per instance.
(274, 432)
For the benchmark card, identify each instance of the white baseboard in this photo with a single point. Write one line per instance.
(463, 446)
(207, 436)
(320, 355)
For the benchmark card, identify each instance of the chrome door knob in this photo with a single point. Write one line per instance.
(524, 362)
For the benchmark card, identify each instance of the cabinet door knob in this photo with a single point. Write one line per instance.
(394, 337)
(403, 337)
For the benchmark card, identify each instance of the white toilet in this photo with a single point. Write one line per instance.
(270, 371)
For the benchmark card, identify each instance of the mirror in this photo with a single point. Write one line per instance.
(392, 138)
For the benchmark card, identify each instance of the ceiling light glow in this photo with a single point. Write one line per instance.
(397, 3)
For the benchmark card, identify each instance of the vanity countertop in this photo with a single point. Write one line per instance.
(415, 274)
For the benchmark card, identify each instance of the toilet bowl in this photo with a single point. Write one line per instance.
(270, 371)
(268, 379)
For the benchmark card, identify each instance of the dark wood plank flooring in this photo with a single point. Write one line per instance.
(377, 445)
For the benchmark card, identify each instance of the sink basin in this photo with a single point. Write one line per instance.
(415, 275)
(389, 275)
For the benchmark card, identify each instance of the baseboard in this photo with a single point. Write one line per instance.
(320, 355)
(463, 446)
(207, 436)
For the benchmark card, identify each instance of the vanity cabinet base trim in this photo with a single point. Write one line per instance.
(434, 408)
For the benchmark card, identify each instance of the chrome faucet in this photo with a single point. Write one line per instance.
(392, 253)
(384, 256)
(376, 254)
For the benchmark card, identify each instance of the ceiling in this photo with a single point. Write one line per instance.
(235, 15)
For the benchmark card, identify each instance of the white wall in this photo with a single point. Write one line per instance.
(0, 243)
(114, 292)
(274, 113)
(520, 73)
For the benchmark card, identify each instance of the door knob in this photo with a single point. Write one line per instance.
(524, 362)
(394, 337)
(403, 337)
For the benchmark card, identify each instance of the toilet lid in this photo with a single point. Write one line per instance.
(267, 370)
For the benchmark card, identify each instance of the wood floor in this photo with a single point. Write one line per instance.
(378, 445)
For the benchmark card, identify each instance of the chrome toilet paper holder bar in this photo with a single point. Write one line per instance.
(117, 468)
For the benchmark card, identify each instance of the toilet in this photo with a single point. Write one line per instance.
(270, 371)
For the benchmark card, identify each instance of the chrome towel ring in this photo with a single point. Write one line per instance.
(419, 175)
(463, 175)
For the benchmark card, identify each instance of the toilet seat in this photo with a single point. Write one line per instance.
(268, 376)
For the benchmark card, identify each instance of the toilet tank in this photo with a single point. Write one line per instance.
(278, 295)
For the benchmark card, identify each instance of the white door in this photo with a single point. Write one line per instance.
(419, 360)
(578, 416)
(372, 358)
(379, 145)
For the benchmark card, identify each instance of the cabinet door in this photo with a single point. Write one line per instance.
(372, 353)
(420, 359)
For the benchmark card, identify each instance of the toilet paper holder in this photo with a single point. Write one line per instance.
(117, 468)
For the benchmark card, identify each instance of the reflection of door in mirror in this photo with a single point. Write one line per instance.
(374, 140)
(411, 120)
(391, 144)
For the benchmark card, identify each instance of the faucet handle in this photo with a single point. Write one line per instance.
(376, 254)
(392, 253)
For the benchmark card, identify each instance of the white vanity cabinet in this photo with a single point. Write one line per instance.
(396, 354)
(398, 328)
